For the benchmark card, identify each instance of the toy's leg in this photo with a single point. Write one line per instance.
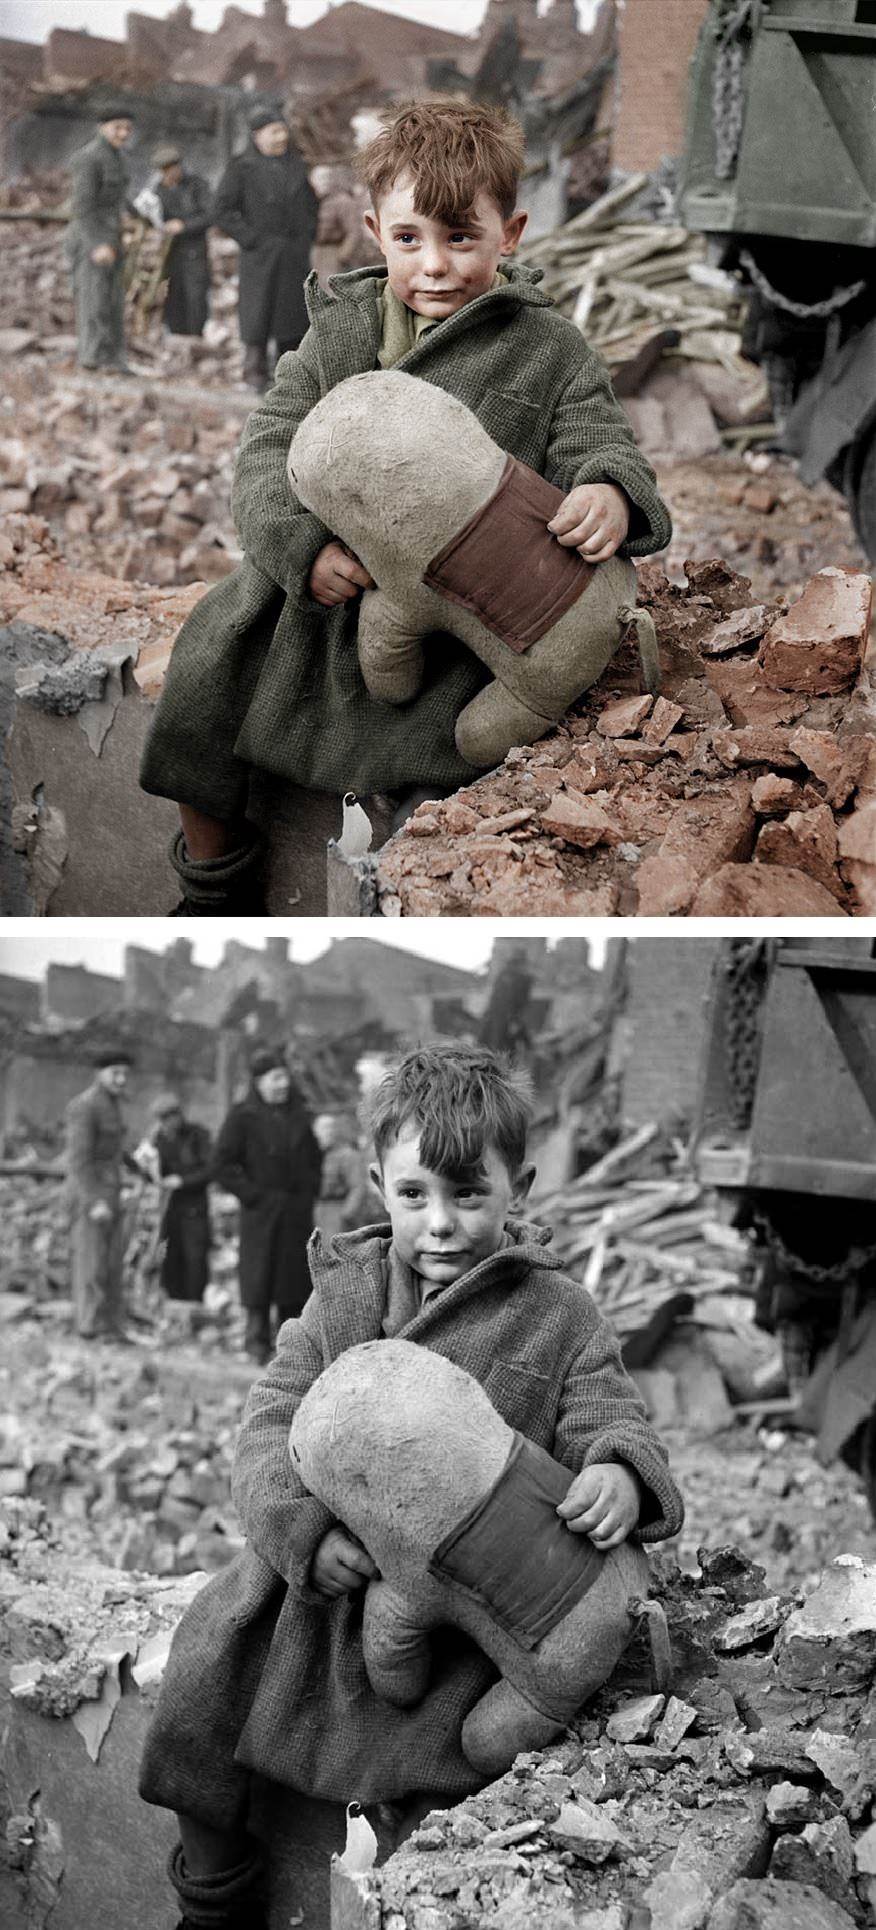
(395, 1645)
(489, 727)
(502, 1724)
(390, 653)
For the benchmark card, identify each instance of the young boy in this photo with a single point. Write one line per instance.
(264, 672)
(266, 1676)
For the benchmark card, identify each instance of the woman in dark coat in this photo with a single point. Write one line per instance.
(265, 202)
(185, 205)
(268, 1157)
(185, 1168)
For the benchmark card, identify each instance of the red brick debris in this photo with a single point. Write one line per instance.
(747, 789)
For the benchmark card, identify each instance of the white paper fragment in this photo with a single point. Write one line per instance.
(357, 831)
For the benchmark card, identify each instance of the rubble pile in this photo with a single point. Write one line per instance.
(668, 324)
(740, 1800)
(747, 788)
(133, 478)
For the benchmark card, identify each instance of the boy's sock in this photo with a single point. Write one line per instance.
(215, 887)
(229, 1901)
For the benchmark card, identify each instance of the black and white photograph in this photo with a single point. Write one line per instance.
(460, 408)
(438, 1454)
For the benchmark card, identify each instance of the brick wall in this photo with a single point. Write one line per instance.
(656, 42)
(664, 1026)
(73, 992)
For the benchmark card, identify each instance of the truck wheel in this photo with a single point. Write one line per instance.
(862, 493)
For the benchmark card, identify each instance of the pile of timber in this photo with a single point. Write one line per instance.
(637, 1240)
(640, 288)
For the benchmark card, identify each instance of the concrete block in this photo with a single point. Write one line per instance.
(97, 844)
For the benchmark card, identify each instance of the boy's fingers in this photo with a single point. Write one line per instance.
(600, 555)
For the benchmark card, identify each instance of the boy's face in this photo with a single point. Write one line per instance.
(442, 1227)
(434, 269)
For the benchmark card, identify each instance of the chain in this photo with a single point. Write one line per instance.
(744, 979)
(728, 92)
(806, 312)
(841, 1274)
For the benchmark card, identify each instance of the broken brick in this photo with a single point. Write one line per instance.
(662, 721)
(774, 796)
(838, 766)
(831, 1641)
(857, 833)
(579, 820)
(773, 1905)
(748, 695)
(751, 745)
(819, 646)
(805, 841)
(624, 718)
(704, 833)
(763, 891)
(742, 627)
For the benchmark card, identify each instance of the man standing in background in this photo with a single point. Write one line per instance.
(265, 202)
(94, 244)
(268, 1157)
(185, 1168)
(95, 1128)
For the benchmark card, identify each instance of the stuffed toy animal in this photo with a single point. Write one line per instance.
(454, 533)
(458, 1512)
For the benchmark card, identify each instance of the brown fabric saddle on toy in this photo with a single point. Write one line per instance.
(514, 1553)
(506, 566)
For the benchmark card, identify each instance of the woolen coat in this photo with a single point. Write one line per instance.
(268, 1157)
(265, 1674)
(260, 673)
(188, 269)
(266, 204)
(185, 1150)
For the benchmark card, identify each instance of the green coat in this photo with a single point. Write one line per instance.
(265, 1675)
(262, 675)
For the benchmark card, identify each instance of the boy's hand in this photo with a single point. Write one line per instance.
(337, 575)
(594, 518)
(341, 1564)
(603, 1502)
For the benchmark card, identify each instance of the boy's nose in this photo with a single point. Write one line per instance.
(435, 265)
(441, 1220)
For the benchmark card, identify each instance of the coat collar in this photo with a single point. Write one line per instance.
(349, 317)
(349, 1277)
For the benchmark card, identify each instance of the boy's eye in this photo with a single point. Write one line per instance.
(460, 234)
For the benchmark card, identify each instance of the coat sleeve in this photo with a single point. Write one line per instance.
(228, 212)
(201, 216)
(279, 536)
(231, 1170)
(591, 441)
(81, 1175)
(602, 1418)
(283, 1523)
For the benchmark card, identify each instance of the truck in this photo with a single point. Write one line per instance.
(786, 1124)
(779, 172)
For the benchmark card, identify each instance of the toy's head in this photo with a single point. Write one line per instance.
(399, 1443)
(393, 466)
(449, 1125)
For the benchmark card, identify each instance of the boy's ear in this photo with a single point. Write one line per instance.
(513, 232)
(372, 223)
(376, 1177)
(522, 1185)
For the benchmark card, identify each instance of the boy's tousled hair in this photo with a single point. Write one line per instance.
(452, 150)
(464, 1099)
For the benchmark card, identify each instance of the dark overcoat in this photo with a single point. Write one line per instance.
(185, 1150)
(260, 673)
(188, 270)
(268, 1157)
(267, 1675)
(267, 205)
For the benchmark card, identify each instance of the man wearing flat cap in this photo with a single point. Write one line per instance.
(268, 1157)
(95, 1134)
(185, 208)
(93, 245)
(267, 205)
